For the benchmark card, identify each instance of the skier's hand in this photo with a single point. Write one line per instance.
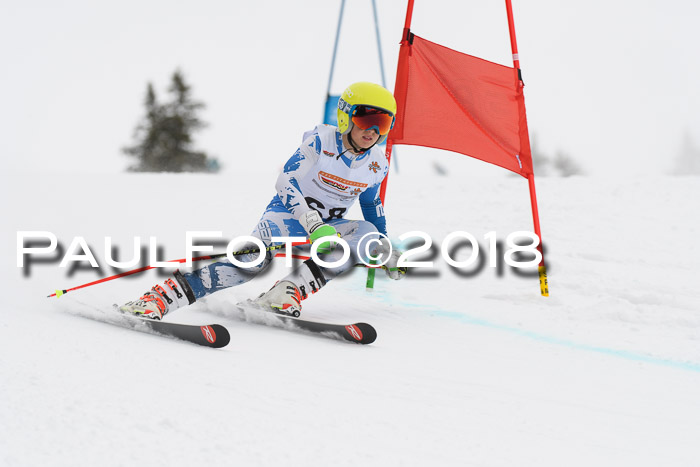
(324, 230)
(314, 225)
(391, 266)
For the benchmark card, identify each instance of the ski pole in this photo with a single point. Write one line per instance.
(58, 293)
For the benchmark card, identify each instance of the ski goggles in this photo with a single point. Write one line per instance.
(371, 118)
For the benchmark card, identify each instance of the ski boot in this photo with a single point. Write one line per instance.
(284, 298)
(156, 303)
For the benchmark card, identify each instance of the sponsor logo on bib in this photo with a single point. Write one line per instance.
(340, 184)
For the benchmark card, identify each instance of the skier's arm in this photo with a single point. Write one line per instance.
(372, 208)
(292, 197)
(287, 186)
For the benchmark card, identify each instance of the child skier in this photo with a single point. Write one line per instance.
(330, 170)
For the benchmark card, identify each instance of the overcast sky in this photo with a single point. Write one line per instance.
(613, 84)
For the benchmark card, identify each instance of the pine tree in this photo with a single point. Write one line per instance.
(164, 137)
(561, 166)
(566, 166)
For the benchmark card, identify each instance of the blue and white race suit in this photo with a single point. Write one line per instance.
(324, 176)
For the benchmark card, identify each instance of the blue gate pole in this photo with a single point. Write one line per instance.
(335, 51)
(381, 63)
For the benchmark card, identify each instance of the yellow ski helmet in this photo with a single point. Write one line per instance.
(357, 98)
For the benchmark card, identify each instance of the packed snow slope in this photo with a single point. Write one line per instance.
(470, 367)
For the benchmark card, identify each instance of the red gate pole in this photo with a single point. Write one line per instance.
(525, 146)
(390, 140)
(397, 95)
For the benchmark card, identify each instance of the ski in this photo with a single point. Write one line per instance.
(208, 335)
(360, 333)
